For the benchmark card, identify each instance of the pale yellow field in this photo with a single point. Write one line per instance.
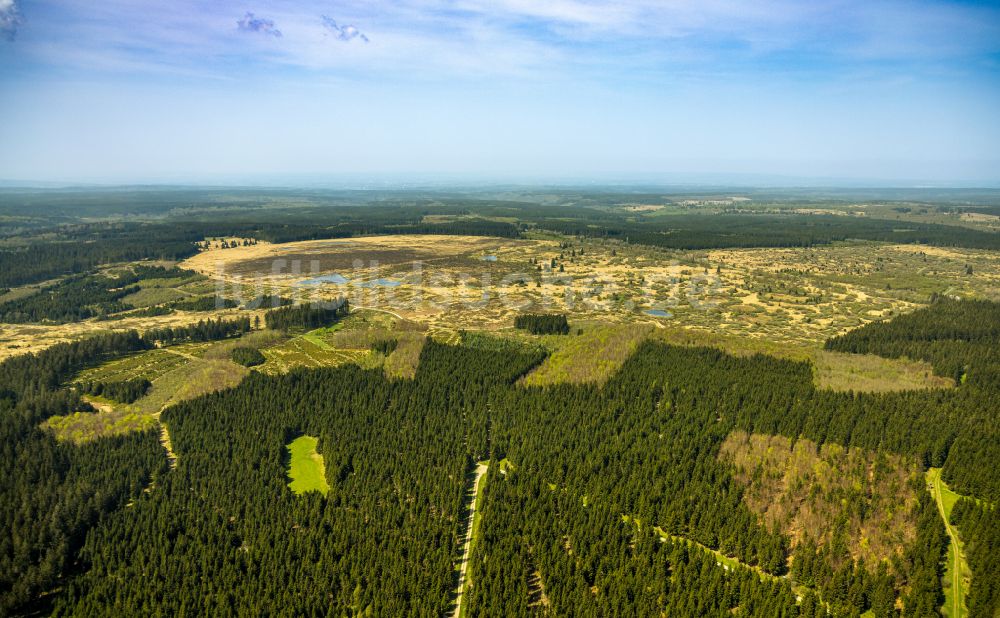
(22, 338)
(792, 295)
(785, 301)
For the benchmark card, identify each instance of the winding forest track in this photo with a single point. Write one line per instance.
(179, 353)
(379, 310)
(470, 497)
(957, 566)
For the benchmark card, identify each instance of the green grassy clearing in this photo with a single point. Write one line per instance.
(870, 373)
(350, 341)
(178, 373)
(147, 297)
(186, 379)
(305, 466)
(591, 356)
(258, 339)
(304, 351)
(81, 427)
(732, 344)
(150, 365)
(207, 376)
(318, 337)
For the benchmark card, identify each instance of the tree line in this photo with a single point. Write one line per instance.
(979, 528)
(711, 231)
(124, 391)
(307, 316)
(80, 297)
(542, 324)
(247, 356)
(204, 330)
(81, 248)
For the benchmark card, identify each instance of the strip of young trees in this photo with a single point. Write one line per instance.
(307, 315)
(205, 303)
(204, 330)
(247, 356)
(542, 323)
(124, 391)
(385, 346)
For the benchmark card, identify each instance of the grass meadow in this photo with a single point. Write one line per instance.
(306, 470)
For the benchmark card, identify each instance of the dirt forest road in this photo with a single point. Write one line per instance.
(467, 541)
(957, 607)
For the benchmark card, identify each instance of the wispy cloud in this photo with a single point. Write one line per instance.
(346, 32)
(251, 23)
(10, 19)
(593, 40)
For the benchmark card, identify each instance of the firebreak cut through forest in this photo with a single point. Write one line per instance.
(643, 445)
(450, 474)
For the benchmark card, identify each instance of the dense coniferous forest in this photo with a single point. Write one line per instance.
(542, 324)
(979, 527)
(651, 433)
(80, 248)
(125, 391)
(204, 330)
(766, 230)
(580, 457)
(961, 339)
(205, 303)
(247, 356)
(307, 315)
(64, 302)
(83, 296)
(382, 540)
(51, 493)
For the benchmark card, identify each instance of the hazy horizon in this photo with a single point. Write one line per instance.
(677, 183)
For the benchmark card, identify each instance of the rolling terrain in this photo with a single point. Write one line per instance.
(598, 403)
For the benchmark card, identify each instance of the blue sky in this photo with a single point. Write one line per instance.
(214, 91)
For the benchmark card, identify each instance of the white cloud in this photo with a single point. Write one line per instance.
(346, 32)
(251, 23)
(438, 39)
(10, 19)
